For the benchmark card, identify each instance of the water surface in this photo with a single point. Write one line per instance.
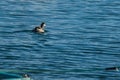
(82, 38)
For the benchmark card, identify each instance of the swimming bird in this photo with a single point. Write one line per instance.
(26, 75)
(112, 68)
(40, 28)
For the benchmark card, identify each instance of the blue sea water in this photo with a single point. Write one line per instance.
(82, 38)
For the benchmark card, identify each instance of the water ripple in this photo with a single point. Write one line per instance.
(81, 38)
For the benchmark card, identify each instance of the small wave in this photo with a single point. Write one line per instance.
(19, 31)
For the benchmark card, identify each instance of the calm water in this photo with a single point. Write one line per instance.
(82, 38)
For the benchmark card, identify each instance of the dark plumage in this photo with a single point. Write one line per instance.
(112, 68)
(40, 28)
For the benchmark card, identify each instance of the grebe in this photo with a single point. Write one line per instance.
(40, 28)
